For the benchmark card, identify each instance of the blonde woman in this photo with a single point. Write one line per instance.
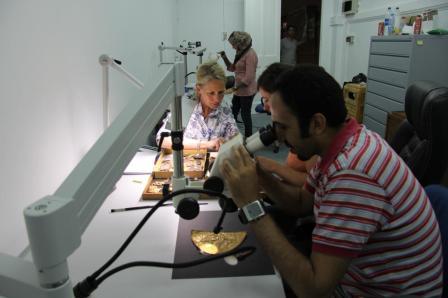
(210, 123)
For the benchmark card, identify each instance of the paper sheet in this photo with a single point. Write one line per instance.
(142, 163)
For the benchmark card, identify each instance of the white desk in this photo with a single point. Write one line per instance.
(155, 242)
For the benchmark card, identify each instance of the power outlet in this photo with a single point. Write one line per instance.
(350, 39)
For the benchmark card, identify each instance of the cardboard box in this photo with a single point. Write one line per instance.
(354, 96)
(394, 120)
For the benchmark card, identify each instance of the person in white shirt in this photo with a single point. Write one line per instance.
(288, 46)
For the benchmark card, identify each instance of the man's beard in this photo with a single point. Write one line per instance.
(300, 155)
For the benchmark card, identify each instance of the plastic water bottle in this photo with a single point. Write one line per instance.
(397, 22)
(390, 29)
(387, 20)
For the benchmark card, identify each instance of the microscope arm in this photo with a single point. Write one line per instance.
(55, 223)
(190, 48)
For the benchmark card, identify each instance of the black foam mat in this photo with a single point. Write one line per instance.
(256, 264)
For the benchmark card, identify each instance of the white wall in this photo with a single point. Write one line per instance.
(206, 21)
(262, 20)
(50, 88)
(345, 60)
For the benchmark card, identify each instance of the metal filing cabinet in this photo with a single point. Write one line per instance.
(395, 62)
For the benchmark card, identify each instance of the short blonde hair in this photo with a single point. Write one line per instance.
(240, 40)
(208, 71)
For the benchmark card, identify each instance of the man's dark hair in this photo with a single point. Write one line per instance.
(267, 79)
(309, 89)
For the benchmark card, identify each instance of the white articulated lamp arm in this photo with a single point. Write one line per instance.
(106, 61)
(55, 223)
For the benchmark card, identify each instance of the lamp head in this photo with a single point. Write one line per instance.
(105, 60)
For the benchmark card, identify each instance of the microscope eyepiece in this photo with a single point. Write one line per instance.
(263, 138)
(267, 135)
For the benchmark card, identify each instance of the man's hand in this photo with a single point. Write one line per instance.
(240, 174)
(267, 164)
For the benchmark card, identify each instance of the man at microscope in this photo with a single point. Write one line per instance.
(376, 233)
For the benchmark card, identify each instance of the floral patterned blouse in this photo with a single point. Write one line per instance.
(219, 124)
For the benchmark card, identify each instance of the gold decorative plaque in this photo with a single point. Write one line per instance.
(210, 243)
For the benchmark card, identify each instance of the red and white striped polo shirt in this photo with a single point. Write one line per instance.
(370, 207)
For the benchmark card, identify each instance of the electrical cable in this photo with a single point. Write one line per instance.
(89, 284)
(149, 147)
(145, 219)
(239, 253)
(190, 73)
(218, 227)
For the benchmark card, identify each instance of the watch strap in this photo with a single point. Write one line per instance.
(242, 217)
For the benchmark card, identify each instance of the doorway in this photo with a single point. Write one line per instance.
(304, 15)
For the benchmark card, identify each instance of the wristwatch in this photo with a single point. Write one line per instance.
(251, 212)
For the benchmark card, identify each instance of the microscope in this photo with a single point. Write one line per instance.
(185, 48)
(187, 207)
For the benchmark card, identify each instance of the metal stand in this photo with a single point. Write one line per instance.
(190, 47)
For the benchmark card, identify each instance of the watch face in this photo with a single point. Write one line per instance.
(251, 212)
(254, 209)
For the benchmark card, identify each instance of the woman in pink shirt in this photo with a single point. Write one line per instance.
(244, 66)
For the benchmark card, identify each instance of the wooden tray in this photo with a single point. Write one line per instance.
(153, 188)
(193, 167)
